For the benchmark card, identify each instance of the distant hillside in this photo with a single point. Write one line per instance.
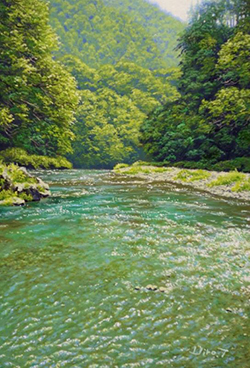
(163, 28)
(109, 31)
(122, 57)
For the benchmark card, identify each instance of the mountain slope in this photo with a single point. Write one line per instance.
(163, 28)
(121, 71)
(105, 32)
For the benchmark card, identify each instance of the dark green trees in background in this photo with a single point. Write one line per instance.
(38, 97)
(210, 122)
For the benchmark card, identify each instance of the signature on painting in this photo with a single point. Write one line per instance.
(219, 353)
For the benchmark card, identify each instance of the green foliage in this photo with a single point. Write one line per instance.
(209, 123)
(5, 194)
(227, 179)
(137, 169)
(120, 166)
(120, 54)
(114, 103)
(239, 164)
(22, 158)
(26, 197)
(38, 97)
(190, 176)
(241, 186)
(105, 32)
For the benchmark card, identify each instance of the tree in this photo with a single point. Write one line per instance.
(210, 121)
(38, 97)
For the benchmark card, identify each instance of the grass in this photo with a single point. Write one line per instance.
(241, 186)
(190, 176)
(136, 169)
(120, 166)
(227, 179)
(240, 180)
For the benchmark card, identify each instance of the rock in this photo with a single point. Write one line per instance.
(17, 193)
(163, 289)
(229, 310)
(24, 170)
(42, 184)
(137, 288)
(6, 185)
(151, 287)
(18, 201)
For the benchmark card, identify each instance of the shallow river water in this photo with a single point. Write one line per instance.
(70, 265)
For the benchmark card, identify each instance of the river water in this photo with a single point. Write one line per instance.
(70, 265)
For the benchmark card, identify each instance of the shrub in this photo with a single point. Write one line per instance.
(22, 158)
(240, 164)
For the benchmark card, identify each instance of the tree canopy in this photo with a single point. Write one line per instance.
(210, 121)
(38, 96)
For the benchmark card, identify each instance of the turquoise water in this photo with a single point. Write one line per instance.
(70, 265)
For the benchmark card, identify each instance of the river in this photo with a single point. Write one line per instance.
(71, 264)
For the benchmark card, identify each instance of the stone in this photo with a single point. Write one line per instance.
(137, 288)
(18, 201)
(151, 287)
(162, 289)
(24, 170)
(42, 184)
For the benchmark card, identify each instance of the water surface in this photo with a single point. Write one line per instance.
(70, 265)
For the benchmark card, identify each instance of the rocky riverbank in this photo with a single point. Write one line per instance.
(18, 186)
(224, 184)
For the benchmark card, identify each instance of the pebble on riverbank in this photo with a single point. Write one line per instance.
(222, 184)
(150, 287)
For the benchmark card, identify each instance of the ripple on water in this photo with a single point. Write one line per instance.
(70, 265)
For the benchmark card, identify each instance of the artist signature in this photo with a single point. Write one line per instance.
(219, 353)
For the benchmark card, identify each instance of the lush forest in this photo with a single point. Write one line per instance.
(101, 85)
(106, 32)
(38, 96)
(120, 74)
(209, 124)
(122, 71)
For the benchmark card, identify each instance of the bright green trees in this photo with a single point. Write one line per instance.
(106, 32)
(106, 130)
(38, 97)
(115, 101)
(163, 28)
(112, 55)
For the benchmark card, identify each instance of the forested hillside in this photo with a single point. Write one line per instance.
(112, 86)
(118, 31)
(115, 101)
(210, 123)
(122, 70)
(163, 28)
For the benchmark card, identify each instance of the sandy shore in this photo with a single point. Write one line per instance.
(150, 174)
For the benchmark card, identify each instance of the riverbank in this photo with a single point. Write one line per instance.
(224, 184)
(17, 186)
